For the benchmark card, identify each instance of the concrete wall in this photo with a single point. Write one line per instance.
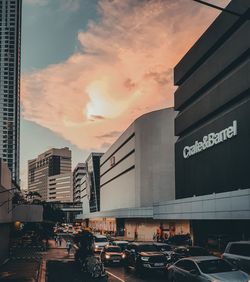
(28, 213)
(138, 169)
(84, 197)
(6, 195)
(4, 241)
(155, 177)
(228, 205)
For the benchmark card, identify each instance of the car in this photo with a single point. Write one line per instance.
(179, 240)
(190, 251)
(144, 256)
(100, 241)
(121, 244)
(205, 268)
(166, 249)
(111, 254)
(238, 253)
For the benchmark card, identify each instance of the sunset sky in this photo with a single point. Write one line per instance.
(90, 67)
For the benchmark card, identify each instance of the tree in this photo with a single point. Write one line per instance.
(33, 196)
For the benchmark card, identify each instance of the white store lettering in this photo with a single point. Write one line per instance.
(210, 140)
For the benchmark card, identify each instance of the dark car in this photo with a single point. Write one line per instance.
(122, 244)
(144, 256)
(238, 253)
(111, 254)
(166, 249)
(194, 251)
(179, 240)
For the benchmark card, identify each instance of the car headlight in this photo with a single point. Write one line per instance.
(107, 256)
(96, 246)
(123, 256)
(145, 258)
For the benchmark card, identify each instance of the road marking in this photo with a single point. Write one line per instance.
(115, 276)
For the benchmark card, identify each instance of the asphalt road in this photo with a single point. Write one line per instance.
(66, 271)
(118, 273)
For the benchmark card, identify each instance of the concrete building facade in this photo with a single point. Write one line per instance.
(5, 209)
(138, 169)
(136, 173)
(84, 196)
(93, 181)
(10, 58)
(10, 213)
(78, 173)
(212, 151)
(60, 188)
(50, 163)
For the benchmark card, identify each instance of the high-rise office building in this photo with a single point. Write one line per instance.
(50, 163)
(78, 173)
(60, 188)
(93, 181)
(10, 51)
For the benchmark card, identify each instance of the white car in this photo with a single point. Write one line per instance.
(100, 241)
(205, 269)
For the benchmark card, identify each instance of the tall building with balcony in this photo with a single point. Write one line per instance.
(10, 53)
(78, 173)
(53, 162)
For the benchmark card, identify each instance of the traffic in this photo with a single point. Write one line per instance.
(173, 259)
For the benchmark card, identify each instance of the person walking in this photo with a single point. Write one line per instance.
(68, 246)
(60, 241)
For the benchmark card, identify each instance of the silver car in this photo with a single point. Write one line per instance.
(238, 253)
(205, 269)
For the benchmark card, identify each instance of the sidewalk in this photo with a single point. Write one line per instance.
(54, 253)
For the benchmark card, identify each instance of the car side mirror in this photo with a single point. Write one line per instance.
(194, 272)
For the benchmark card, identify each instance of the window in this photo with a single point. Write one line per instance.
(215, 266)
(187, 265)
(240, 249)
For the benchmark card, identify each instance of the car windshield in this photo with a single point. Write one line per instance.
(113, 249)
(122, 245)
(100, 240)
(163, 248)
(147, 248)
(215, 266)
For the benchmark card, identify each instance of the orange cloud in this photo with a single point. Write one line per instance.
(124, 69)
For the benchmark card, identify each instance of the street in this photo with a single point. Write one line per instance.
(67, 271)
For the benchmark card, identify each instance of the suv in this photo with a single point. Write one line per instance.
(179, 240)
(238, 253)
(144, 256)
(100, 241)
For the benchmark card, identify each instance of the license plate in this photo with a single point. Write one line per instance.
(116, 260)
(159, 264)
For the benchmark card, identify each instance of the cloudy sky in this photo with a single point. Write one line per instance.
(90, 67)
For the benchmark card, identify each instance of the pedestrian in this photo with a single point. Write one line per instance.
(154, 237)
(57, 241)
(60, 241)
(68, 246)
